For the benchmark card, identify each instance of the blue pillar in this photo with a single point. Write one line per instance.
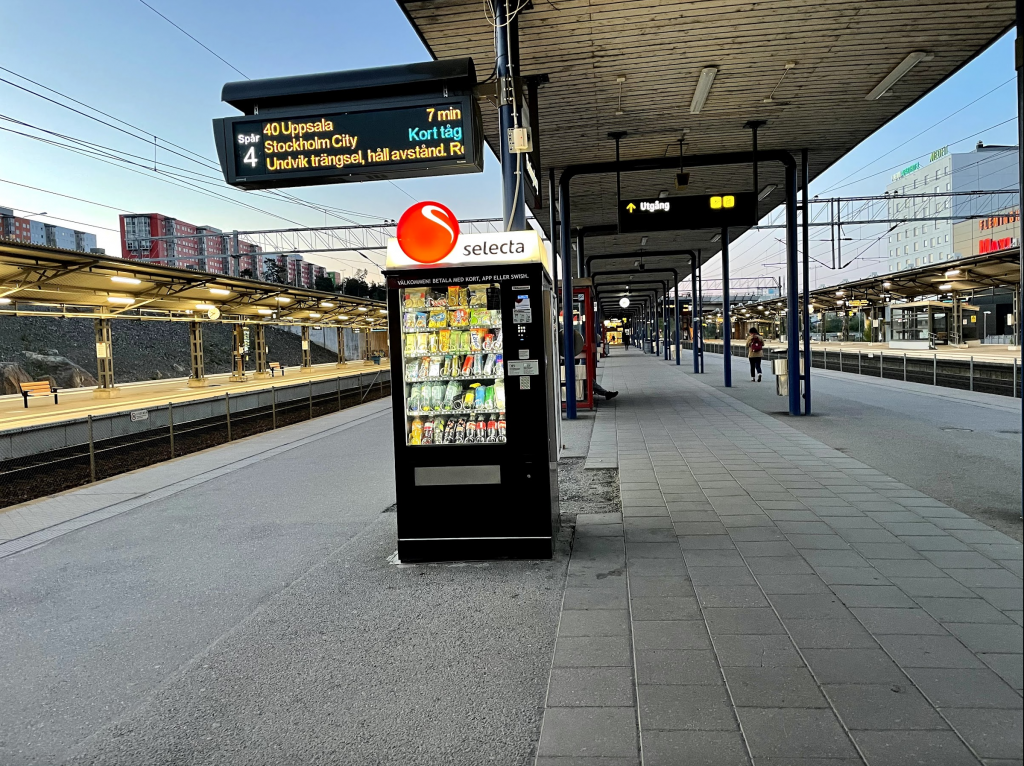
(694, 326)
(565, 250)
(792, 294)
(726, 319)
(807, 285)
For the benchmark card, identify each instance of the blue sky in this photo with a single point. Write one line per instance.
(119, 56)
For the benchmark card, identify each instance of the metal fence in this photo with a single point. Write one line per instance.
(1004, 379)
(41, 460)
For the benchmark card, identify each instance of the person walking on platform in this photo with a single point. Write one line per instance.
(755, 351)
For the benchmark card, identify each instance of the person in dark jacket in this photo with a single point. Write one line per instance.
(755, 352)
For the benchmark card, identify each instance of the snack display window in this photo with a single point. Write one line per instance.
(454, 371)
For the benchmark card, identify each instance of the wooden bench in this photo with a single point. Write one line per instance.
(274, 367)
(37, 388)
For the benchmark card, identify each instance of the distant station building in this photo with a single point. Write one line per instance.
(919, 243)
(38, 233)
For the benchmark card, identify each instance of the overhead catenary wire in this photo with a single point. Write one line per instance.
(149, 137)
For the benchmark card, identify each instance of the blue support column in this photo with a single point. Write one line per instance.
(565, 249)
(792, 294)
(726, 310)
(694, 322)
(807, 284)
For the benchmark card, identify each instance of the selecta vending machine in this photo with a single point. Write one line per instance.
(470, 318)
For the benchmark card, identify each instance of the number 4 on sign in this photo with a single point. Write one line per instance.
(250, 156)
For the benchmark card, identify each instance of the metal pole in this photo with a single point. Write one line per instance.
(935, 370)
(858, 361)
(227, 412)
(726, 311)
(273, 407)
(971, 373)
(567, 339)
(92, 444)
(1019, 62)
(792, 294)
(311, 400)
(700, 310)
(807, 286)
(552, 226)
(904, 366)
(506, 44)
(579, 252)
(694, 327)
(170, 424)
(675, 276)
(881, 365)
(337, 382)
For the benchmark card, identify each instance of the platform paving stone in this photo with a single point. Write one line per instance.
(776, 602)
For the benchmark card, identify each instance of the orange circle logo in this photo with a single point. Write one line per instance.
(427, 232)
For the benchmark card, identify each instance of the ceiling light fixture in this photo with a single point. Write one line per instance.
(946, 286)
(886, 285)
(624, 303)
(314, 315)
(716, 237)
(119, 299)
(643, 241)
(953, 272)
(219, 291)
(126, 280)
(766, 191)
(326, 305)
(5, 301)
(663, 194)
(265, 312)
(704, 83)
(205, 306)
(282, 299)
(897, 74)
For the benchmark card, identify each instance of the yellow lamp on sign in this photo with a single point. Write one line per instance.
(728, 201)
(716, 203)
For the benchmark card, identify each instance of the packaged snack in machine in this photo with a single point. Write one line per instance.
(416, 433)
(428, 433)
(499, 395)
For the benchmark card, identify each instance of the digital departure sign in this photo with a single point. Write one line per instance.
(708, 211)
(303, 147)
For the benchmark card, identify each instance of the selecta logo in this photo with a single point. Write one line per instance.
(427, 232)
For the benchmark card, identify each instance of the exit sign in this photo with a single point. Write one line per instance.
(707, 211)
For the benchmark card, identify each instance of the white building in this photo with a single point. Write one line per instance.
(918, 243)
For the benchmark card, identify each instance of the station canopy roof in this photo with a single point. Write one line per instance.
(971, 275)
(45, 281)
(841, 50)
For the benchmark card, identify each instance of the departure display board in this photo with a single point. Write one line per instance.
(334, 146)
(709, 211)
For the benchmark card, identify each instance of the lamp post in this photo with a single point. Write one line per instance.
(984, 325)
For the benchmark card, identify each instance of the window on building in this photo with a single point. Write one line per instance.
(917, 261)
(948, 187)
(916, 232)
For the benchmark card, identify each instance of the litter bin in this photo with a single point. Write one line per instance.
(376, 358)
(647, 347)
(780, 369)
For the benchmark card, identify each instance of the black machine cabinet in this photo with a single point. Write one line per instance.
(475, 443)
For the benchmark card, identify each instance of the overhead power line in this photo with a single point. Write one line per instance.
(193, 39)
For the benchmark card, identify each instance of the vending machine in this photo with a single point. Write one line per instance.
(472, 394)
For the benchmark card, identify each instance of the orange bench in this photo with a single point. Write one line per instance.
(37, 388)
(275, 366)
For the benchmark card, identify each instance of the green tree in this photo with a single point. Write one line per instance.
(324, 283)
(245, 273)
(273, 271)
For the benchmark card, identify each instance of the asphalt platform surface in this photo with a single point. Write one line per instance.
(256, 618)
